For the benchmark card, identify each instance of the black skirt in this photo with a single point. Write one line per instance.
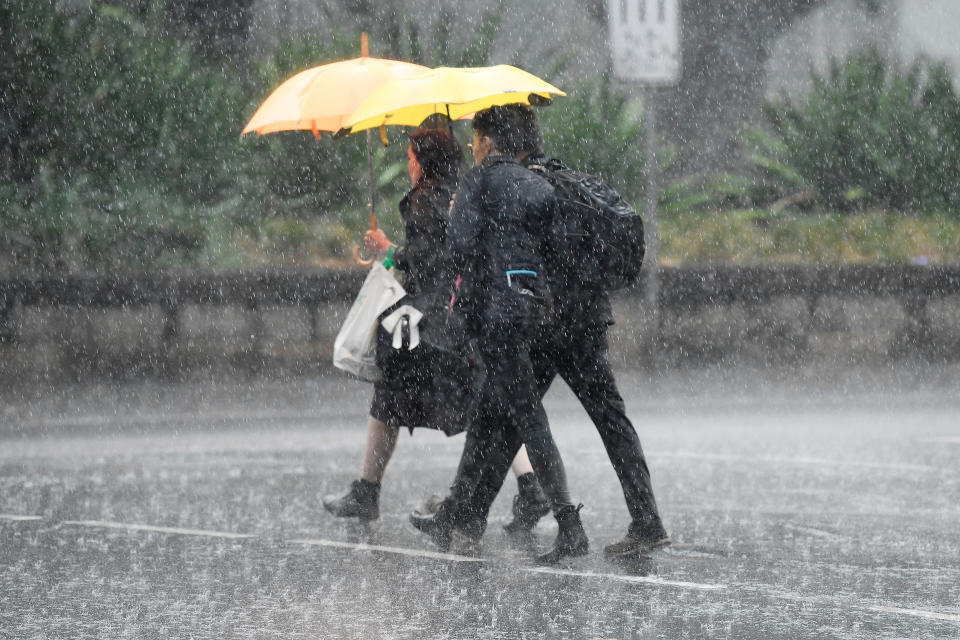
(425, 387)
(403, 393)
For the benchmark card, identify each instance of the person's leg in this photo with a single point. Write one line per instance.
(571, 539)
(381, 443)
(484, 462)
(515, 388)
(510, 398)
(530, 504)
(521, 463)
(586, 370)
(502, 449)
(517, 398)
(362, 500)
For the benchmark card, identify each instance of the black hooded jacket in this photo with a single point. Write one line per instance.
(499, 229)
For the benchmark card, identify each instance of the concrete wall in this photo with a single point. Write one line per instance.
(54, 344)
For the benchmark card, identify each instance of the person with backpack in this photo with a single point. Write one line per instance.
(597, 247)
(603, 251)
(499, 229)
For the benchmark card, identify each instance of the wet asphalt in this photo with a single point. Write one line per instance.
(801, 505)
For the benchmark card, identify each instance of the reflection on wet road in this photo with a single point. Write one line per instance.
(193, 511)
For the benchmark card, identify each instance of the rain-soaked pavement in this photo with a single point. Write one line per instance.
(802, 505)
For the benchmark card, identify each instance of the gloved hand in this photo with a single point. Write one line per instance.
(376, 242)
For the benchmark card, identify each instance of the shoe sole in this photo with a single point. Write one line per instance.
(362, 518)
(641, 548)
(542, 561)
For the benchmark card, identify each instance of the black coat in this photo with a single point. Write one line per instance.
(499, 228)
(430, 386)
(424, 257)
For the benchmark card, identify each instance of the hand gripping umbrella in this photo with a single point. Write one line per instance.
(457, 92)
(322, 98)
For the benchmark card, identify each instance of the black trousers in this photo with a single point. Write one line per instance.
(511, 414)
(584, 365)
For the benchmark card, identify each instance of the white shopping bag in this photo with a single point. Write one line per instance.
(355, 345)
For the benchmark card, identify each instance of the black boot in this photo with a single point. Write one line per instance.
(362, 501)
(438, 525)
(641, 539)
(571, 539)
(529, 505)
(430, 505)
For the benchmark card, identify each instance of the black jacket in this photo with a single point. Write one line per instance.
(577, 305)
(424, 257)
(499, 227)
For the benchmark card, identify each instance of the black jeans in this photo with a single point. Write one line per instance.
(511, 414)
(583, 364)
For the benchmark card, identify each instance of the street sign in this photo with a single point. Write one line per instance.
(645, 45)
(645, 40)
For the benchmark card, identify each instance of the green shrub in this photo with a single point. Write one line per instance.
(57, 225)
(750, 236)
(39, 224)
(599, 130)
(869, 134)
(118, 139)
(118, 98)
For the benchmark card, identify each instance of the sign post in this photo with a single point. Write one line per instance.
(645, 46)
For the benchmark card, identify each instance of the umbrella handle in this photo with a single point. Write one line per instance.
(359, 260)
(372, 203)
(373, 227)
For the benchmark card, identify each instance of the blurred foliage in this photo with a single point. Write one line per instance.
(120, 145)
(120, 150)
(115, 141)
(869, 134)
(751, 236)
(437, 47)
(97, 91)
(599, 129)
(51, 226)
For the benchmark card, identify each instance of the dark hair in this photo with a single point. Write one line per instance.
(512, 127)
(438, 153)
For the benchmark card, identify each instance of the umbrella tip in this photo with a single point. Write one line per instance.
(536, 100)
(364, 47)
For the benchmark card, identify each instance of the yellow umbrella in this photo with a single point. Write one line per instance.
(322, 98)
(454, 91)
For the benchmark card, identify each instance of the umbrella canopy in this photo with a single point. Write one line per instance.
(454, 91)
(322, 98)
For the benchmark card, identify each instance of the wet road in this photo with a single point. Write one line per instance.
(800, 507)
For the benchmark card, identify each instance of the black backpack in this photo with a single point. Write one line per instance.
(600, 235)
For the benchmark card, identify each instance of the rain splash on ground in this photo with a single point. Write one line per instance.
(800, 505)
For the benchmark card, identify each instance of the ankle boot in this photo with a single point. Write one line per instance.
(438, 525)
(361, 501)
(571, 539)
(529, 505)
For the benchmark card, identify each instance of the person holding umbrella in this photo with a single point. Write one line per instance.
(404, 395)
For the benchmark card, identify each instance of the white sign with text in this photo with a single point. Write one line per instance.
(645, 40)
